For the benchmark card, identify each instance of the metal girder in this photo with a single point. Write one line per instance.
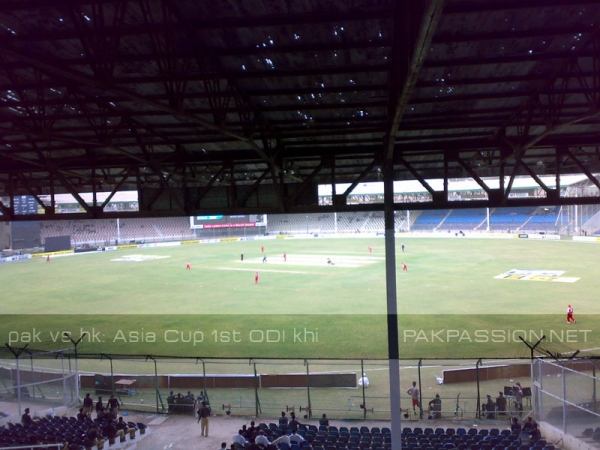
(582, 167)
(360, 177)
(452, 37)
(242, 201)
(492, 60)
(473, 174)
(416, 174)
(98, 46)
(323, 16)
(83, 79)
(467, 6)
(291, 200)
(409, 49)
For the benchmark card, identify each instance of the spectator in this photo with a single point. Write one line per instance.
(501, 404)
(122, 425)
(283, 421)
(515, 426)
(489, 408)
(81, 416)
(294, 424)
(283, 438)
(252, 431)
(414, 392)
(99, 405)
(203, 416)
(93, 437)
(88, 405)
(239, 440)
(295, 438)
(261, 439)
(324, 421)
(435, 407)
(113, 404)
(518, 393)
(26, 419)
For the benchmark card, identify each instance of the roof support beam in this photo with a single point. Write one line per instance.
(409, 52)
(98, 84)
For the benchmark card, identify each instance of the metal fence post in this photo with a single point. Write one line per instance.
(564, 399)
(308, 388)
(478, 409)
(362, 375)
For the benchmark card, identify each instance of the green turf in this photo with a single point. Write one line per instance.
(449, 303)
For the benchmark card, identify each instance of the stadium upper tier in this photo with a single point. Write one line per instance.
(500, 219)
(526, 219)
(107, 232)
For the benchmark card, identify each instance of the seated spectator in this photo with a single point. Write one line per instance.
(528, 425)
(122, 425)
(295, 438)
(111, 431)
(324, 421)
(435, 407)
(81, 416)
(535, 433)
(223, 446)
(261, 439)
(283, 438)
(101, 414)
(489, 408)
(515, 426)
(93, 437)
(239, 440)
(26, 419)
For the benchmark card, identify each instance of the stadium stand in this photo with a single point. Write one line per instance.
(429, 220)
(468, 219)
(510, 218)
(59, 430)
(543, 220)
(375, 438)
(104, 232)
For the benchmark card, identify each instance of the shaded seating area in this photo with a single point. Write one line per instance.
(59, 430)
(415, 438)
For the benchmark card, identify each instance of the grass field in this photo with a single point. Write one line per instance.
(449, 302)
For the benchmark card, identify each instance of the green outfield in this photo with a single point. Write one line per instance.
(458, 298)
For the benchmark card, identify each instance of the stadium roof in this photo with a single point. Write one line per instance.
(246, 106)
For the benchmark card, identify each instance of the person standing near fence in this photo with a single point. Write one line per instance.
(414, 395)
(88, 405)
(204, 414)
(518, 393)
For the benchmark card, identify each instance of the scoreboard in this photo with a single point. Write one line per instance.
(219, 221)
(25, 204)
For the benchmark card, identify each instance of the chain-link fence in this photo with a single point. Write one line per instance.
(565, 394)
(45, 379)
(345, 389)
